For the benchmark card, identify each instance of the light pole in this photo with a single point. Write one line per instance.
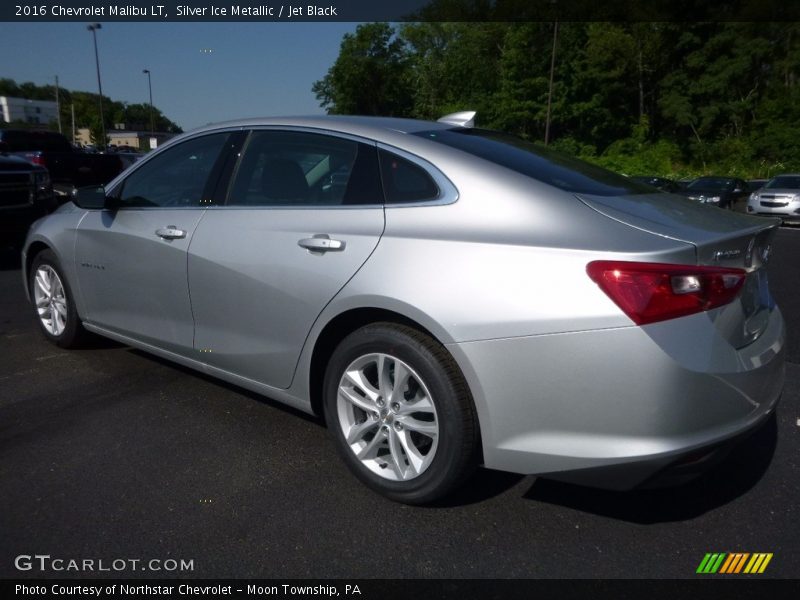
(150, 88)
(93, 28)
(550, 87)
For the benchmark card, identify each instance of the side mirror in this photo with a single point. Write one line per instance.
(90, 197)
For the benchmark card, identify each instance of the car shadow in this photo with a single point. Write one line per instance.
(739, 472)
(484, 485)
(10, 259)
(226, 385)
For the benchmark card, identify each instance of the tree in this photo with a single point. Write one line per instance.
(680, 98)
(370, 75)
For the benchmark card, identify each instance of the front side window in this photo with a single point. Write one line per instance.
(176, 177)
(295, 169)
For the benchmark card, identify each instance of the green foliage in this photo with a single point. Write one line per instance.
(370, 76)
(670, 99)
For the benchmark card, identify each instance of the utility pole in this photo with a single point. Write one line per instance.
(550, 90)
(150, 87)
(73, 122)
(58, 107)
(93, 28)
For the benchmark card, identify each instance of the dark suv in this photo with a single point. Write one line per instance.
(26, 194)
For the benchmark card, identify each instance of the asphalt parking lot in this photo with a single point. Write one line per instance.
(109, 453)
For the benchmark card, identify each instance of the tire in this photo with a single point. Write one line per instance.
(53, 302)
(413, 447)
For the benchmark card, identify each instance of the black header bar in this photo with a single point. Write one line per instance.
(398, 10)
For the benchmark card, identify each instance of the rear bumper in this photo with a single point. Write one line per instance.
(612, 408)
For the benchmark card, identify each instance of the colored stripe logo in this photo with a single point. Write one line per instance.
(733, 563)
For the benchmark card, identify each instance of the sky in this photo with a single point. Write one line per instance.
(201, 72)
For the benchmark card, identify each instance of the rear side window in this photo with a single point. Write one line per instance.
(545, 165)
(299, 169)
(404, 181)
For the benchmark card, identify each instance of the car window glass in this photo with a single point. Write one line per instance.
(537, 162)
(784, 181)
(290, 168)
(712, 183)
(404, 182)
(176, 177)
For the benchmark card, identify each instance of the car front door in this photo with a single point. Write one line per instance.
(131, 256)
(304, 211)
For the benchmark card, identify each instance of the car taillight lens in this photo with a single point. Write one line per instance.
(36, 158)
(651, 292)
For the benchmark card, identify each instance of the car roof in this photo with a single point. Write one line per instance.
(372, 127)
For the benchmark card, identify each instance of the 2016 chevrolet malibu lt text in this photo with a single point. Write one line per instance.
(445, 296)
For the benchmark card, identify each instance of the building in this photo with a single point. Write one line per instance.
(141, 140)
(33, 112)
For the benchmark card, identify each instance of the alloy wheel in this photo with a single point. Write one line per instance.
(50, 299)
(387, 417)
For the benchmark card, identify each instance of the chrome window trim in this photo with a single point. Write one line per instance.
(448, 193)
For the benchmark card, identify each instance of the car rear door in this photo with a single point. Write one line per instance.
(131, 258)
(304, 211)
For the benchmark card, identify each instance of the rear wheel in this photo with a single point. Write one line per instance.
(400, 413)
(53, 302)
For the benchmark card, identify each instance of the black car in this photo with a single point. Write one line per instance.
(662, 183)
(724, 192)
(69, 169)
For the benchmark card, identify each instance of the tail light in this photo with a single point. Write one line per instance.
(36, 158)
(651, 292)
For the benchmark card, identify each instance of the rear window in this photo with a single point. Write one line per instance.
(537, 162)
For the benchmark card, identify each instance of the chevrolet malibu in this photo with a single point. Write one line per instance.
(444, 296)
(780, 197)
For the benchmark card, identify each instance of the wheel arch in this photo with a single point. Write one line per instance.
(339, 327)
(31, 252)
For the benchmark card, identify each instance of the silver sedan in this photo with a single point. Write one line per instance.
(445, 296)
(780, 197)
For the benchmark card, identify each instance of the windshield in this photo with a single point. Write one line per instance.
(537, 162)
(791, 182)
(711, 183)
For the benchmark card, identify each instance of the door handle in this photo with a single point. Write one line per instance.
(170, 232)
(321, 242)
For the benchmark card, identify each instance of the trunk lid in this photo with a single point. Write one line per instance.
(721, 238)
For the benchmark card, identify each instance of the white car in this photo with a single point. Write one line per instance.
(780, 197)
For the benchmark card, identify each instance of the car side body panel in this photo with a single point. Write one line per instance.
(248, 273)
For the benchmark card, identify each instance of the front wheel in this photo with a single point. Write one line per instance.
(400, 413)
(53, 302)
